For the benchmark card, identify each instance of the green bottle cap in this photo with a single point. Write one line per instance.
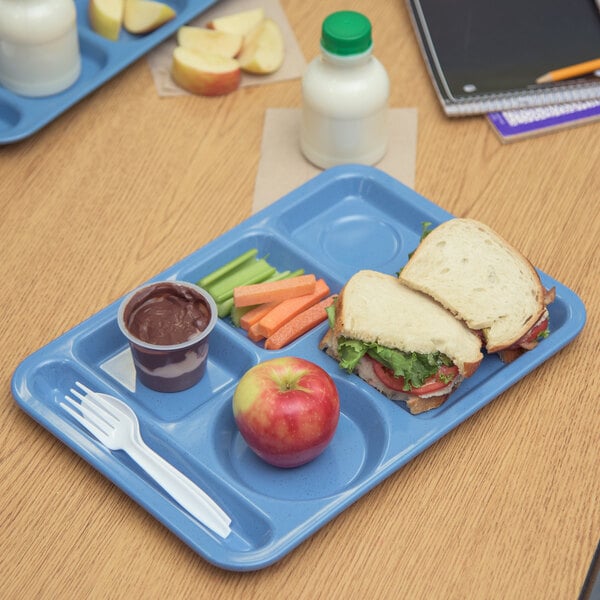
(346, 32)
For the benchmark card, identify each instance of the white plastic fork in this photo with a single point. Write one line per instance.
(116, 425)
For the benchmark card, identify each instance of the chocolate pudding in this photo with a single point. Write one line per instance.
(166, 314)
(167, 324)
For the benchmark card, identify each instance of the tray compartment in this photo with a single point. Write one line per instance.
(251, 529)
(188, 446)
(53, 379)
(94, 57)
(354, 453)
(226, 360)
(355, 225)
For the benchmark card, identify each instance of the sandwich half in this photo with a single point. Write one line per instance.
(485, 282)
(400, 341)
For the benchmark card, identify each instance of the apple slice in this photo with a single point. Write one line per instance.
(203, 73)
(210, 40)
(241, 23)
(106, 17)
(263, 49)
(144, 16)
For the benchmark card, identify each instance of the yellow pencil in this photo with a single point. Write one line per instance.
(578, 70)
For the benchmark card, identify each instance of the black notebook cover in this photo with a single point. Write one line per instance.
(485, 55)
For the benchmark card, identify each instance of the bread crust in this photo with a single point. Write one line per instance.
(540, 293)
(338, 325)
(470, 368)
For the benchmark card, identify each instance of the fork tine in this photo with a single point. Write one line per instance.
(89, 392)
(98, 400)
(95, 405)
(88, 412)
(93, 428)
(85, 388)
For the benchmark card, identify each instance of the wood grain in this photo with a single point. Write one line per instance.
(125, 184)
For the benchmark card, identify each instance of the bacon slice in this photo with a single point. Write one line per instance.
(549, 296)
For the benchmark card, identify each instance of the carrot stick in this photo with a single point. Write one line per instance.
(299, 325)
(254, 334)
(256, 314)
(287, 309)
(272, 291)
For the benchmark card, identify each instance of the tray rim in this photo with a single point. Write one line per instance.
(169, 514)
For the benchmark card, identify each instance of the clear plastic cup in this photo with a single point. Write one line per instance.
(167, 324)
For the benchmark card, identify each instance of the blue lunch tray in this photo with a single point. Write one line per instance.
(101, 59)
(346, 219)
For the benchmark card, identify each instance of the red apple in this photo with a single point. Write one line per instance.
(287, 409)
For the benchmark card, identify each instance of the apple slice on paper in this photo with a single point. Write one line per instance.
(240, 23)
(203, 73)
(263, 50)
(106, 17)
(212, 41)
(144, 16)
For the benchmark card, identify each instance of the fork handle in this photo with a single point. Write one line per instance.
(195, 500)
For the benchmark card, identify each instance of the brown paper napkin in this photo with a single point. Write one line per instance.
(283, 167)
(293, 65)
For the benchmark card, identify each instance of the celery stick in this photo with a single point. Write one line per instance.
(242, 273)
(224, 308)
(256, 271)
(237, 312)
(209, 279)
(278, 276)
(296, 273)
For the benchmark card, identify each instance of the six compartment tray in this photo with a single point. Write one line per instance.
(345, 219)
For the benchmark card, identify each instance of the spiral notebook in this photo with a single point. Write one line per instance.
(512, 125)
(485, 55)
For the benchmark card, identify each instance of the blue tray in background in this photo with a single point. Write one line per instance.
(346, 219)
(101, 59)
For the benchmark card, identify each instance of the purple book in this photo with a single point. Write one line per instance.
(515, 124)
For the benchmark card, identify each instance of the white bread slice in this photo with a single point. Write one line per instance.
(480, 278)
(375, 307)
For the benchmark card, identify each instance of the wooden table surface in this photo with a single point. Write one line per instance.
(125, 184)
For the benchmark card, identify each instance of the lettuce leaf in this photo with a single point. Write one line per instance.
(330, 310)
(413, 367)
(425, 231)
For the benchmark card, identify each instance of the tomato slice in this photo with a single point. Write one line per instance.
(532, 335)
(387, 376)
(430, 385)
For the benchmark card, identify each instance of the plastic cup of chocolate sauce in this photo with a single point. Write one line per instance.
(167, 324)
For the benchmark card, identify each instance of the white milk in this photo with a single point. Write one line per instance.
(345, 95)
(39, 47)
